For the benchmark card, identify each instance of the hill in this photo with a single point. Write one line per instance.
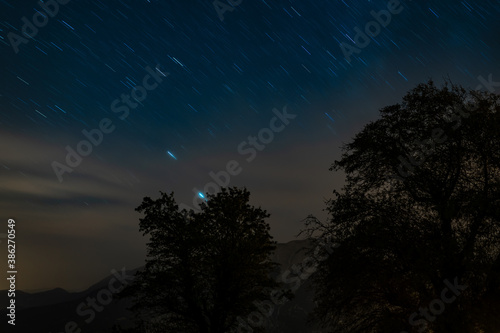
(57, 310)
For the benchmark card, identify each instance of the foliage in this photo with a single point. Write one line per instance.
(206, 268)
(421, 206)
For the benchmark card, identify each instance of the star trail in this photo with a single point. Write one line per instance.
(105, 102)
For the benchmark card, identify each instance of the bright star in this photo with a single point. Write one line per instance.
(172, 155)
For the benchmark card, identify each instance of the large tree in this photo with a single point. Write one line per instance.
(418, 220)
(203, 269)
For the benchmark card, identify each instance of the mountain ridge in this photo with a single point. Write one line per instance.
(52, 310)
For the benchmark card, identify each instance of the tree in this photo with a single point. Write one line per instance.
(418, 219)
(203, 269)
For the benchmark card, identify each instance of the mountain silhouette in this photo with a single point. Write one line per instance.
(50, 311)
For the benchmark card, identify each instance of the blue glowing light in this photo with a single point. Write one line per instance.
(172, 155)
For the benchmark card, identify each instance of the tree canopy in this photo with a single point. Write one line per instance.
(418, 219)
(203, 269)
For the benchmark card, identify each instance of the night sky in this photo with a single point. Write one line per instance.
(217, 82)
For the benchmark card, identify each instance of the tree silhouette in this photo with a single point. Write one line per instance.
(204, 269)
(418, 219)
